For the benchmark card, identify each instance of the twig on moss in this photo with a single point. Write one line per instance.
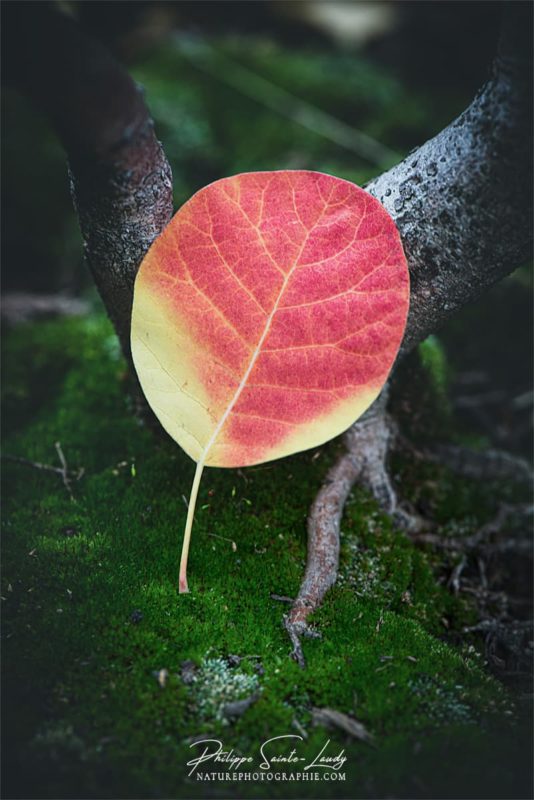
(238, 707)
(67, 476)
(28, 463)
(456, 574)
(64, 471)
(224, 539)
(206, 58)
(281, 598)
(331, 718)
(18, 307)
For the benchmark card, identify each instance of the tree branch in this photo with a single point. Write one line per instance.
(463, 201)
(121, 181)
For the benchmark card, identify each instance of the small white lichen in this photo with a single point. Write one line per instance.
(215, 684)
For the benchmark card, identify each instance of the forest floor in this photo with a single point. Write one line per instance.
(110, 675)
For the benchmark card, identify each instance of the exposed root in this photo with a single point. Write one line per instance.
(480, 465)
(486, 465)
(296, 629)
(367, 444)
(454, 580)
(493, 571)
(507, 643)
(323, 546)
(481, 538)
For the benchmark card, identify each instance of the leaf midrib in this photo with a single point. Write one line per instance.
(201, 462)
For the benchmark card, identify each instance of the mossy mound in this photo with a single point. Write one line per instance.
(95, 633)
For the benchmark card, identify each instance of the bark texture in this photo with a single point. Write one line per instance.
(121, 180)
(123, 203)
(463, 201)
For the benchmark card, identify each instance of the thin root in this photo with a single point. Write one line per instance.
(367, 443)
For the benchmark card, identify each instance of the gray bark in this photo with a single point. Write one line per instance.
(123, 203)
(121, 180)
(463, 201)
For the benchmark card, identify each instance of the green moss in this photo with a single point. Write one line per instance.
(434, 361)
(92, 614)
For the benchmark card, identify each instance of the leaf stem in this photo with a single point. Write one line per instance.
(182, 582)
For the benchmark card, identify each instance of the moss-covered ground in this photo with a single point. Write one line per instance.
(92, 614)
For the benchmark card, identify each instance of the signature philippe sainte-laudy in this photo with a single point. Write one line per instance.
(214, 752)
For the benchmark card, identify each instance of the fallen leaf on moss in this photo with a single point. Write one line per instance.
(267, 316)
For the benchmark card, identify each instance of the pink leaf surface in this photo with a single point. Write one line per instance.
(268, 315)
